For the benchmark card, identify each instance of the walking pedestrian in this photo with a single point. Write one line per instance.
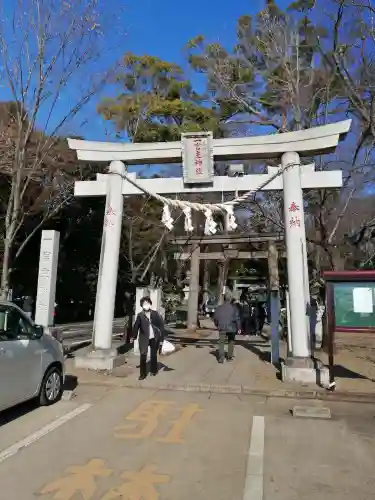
(227, 320)
(245, 317)
(261, 317)
(149, 329)
(28, 306)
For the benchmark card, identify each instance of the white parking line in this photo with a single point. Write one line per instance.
(35, 436)
(255, 461)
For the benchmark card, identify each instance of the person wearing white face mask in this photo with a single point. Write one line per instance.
(149, 329)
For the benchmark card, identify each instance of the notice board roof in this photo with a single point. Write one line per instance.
(355, 275)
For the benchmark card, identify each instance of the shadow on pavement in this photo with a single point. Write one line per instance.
(71, 382)
(71, 350)
(264, 356)
(340, 371)
(164, 368)
(125, 348)
(18, 411)
(7, 416)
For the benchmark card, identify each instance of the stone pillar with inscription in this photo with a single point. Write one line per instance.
(46, 291)
(156, 299)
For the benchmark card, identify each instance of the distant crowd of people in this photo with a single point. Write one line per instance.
(252, 313)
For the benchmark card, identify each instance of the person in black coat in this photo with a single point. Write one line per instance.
(28, 306)
(149, 328)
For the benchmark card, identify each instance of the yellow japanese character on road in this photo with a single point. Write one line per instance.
(174, 436)
(139, 485)
(78, 479)
(146, 418)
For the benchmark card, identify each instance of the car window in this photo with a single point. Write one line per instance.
(12, 324)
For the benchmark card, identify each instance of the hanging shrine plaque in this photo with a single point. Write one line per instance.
(197, 157)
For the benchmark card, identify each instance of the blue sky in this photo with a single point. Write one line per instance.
(166, 27)
(161, 29)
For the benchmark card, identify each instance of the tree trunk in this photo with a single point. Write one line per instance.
(12, 219)
(222, 280)
(152, 280)
(4, 287)
(6, 270)
(337, 259)
(315, 253)
(179, 274)
(206, 278)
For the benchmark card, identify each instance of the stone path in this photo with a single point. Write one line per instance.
(194, 367)
(196, 363)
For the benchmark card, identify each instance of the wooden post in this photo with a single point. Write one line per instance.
(330, 327)
(273, 270)
(273, 266)
(193, 287)
(206, 277)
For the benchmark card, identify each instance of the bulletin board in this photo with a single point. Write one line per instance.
(354, 305)
(351, 300)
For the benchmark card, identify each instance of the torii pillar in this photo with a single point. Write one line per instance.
(103, 356)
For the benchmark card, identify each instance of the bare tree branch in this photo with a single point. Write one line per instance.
(49, 61)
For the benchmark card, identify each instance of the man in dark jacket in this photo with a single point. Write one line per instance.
(227, 321)
(245, 317)
(28, 306)
(149, 328)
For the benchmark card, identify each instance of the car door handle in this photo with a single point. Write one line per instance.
(2, 351)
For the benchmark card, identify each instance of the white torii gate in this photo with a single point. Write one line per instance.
(310, 179)
(289, 146)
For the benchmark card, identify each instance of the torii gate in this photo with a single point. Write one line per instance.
(294, 178)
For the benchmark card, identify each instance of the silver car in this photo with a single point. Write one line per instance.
(31, 361)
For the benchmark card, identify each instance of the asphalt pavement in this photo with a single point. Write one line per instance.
(109, 444)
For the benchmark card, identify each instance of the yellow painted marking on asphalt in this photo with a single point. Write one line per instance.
(174, 436)
(146, 418)
(139, 485)
(79, 479)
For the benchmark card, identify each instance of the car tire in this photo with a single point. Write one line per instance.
(52, 387)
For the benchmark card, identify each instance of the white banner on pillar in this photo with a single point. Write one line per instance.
(45, 300)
